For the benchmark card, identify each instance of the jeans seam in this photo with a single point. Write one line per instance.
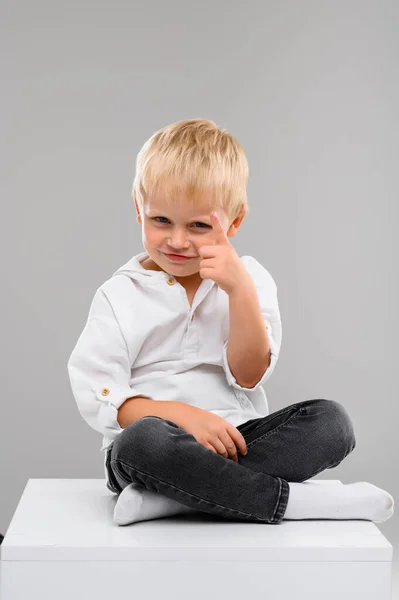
(283, 501)
(193, 495)
(265, 435)
(278, 499)
(110, 475)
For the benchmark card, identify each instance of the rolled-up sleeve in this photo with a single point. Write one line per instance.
(99, 369)
(268, 301)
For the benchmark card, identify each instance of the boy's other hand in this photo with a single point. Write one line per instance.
(214, 432)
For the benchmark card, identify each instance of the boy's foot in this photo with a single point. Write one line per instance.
(360, 500)
(135, 503)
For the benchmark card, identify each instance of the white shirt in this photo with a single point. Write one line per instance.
(142, 338)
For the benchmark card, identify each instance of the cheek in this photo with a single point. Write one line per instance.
(150, 233)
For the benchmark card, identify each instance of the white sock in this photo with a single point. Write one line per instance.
(360, 500)
(135, 503)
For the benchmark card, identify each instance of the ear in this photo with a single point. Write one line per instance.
(236, 223)
(138, 218)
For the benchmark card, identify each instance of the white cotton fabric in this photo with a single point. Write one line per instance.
(142, 338)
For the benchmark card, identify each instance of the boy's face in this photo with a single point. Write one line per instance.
(180, 230)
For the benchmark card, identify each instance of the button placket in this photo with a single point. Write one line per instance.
(191, 338)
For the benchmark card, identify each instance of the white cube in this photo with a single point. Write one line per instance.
(62, 544)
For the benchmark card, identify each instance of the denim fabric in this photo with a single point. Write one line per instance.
(292, 444)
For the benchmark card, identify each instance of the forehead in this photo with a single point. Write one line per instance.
(179, 209)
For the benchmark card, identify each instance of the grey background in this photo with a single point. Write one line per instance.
(310, 89)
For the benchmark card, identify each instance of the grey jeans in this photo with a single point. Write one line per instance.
(292, 444)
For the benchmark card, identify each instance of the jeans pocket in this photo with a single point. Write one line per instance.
(249, 426)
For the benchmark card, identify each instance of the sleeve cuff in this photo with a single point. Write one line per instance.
(111, 397)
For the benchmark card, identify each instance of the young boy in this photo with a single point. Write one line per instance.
(176, 348)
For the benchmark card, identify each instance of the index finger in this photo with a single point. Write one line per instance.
(221, 236)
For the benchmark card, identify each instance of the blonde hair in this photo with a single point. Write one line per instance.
(193, 157)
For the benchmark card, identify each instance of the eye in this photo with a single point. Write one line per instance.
(163, 222)
(204, 224)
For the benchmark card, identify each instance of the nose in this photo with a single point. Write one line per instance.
(178, 240)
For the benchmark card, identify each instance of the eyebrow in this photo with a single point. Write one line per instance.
(161, 212)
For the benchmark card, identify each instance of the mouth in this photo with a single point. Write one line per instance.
(177, 257)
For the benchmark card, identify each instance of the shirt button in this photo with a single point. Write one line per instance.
(170, 281)
(105, 391)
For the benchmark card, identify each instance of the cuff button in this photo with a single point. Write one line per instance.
(105, 391)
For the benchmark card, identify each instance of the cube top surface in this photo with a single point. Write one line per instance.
(72, 519)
